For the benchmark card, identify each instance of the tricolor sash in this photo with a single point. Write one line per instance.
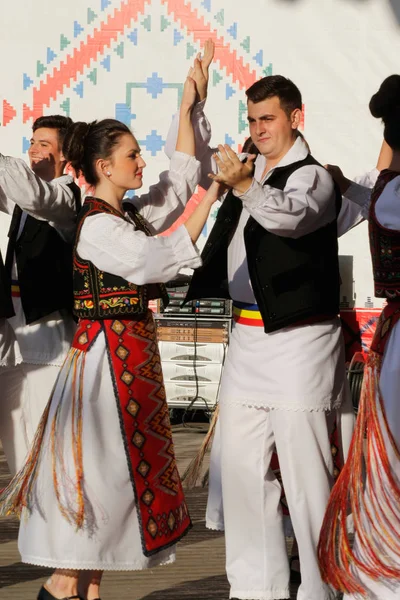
(246, 314)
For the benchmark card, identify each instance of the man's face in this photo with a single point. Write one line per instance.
(45, 154)
(271, 130)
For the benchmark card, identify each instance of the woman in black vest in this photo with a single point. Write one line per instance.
(100, 489)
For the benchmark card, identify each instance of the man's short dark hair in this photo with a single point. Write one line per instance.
(276, 85)
(59, 122)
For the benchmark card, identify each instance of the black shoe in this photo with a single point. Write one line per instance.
(45, 595)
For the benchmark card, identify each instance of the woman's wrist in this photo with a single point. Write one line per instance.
(210, 198)
(185, 111)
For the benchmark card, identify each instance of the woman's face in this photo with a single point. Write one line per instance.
(126, 165)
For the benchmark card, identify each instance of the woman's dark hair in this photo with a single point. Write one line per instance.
(385, 105)
(59, 122)
(276, 85)
(85, 143)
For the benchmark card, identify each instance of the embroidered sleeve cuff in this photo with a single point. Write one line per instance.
(186, 253)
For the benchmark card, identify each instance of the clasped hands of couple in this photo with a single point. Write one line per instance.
(232, 172)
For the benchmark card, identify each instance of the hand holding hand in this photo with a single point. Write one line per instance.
(216, 190)
(231, 171)
(338, 177)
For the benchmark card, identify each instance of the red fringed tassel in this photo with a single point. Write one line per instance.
(17, 495)
(368, 490)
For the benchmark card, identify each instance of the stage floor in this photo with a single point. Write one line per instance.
(198, 573)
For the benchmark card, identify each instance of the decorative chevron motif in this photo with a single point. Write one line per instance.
(98, 36)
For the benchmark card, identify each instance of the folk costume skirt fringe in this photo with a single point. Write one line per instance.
(368, 487)
(100, 489)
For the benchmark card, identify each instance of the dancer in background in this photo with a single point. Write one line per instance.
(36, 282)
(369, 485)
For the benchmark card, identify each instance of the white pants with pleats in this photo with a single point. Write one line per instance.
(25, 390)
(256, 557)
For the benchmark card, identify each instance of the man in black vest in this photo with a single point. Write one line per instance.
(36, 326)
(273, 250)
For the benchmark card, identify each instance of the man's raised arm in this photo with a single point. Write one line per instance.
(51, 201)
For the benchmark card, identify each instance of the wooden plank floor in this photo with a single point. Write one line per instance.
(198, 573)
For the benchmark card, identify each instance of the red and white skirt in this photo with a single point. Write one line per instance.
(100, 489)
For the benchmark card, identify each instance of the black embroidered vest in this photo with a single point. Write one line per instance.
(154, 290)
(44, 264)
(293, 279)
(102, 295)
(385, 246)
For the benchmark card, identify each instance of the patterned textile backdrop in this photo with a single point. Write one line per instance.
(127, 59)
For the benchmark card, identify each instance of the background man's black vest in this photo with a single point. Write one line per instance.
(6, 305)
(293, 279)
(44, 264)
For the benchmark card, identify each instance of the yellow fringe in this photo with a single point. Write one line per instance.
(17, 495)
(193, 470)
(74, 511)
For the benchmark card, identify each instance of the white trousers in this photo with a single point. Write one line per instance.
(214, 513)
(24, 392)
(256, 558)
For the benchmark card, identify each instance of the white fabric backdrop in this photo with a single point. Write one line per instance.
(336, 51)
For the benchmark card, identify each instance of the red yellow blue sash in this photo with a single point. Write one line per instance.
(15, 291)
(247, 314)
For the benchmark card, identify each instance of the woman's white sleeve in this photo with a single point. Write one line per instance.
(113, 245)
(166, 200)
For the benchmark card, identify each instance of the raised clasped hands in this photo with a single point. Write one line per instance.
(196, 84)
(232, 172)
(200, 70)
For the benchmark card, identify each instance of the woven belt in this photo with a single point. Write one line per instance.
(247, 314)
